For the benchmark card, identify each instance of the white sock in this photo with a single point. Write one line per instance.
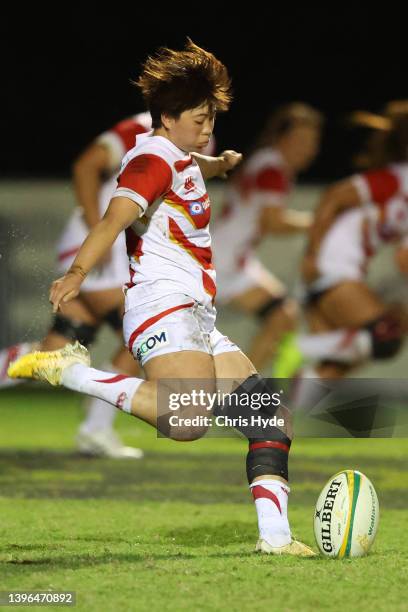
(117, 389)
(271, 502)
(346, 345)
(99, 414)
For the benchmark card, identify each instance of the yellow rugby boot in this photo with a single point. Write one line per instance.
(48, 366)
(295, 548)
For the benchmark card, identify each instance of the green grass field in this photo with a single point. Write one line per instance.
(176, 531)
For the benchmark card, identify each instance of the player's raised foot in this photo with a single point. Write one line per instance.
(295, 548)
(288, 357)
(106, 443)
(48, 366)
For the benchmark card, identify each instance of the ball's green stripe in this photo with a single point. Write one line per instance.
(356, 490)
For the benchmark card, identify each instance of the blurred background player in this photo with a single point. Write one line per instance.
(355, 218)
(101, 298)
(255, 206)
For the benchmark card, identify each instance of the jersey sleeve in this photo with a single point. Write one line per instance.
(120, 139)
(377, 186)
(273, 185)
(144, 179)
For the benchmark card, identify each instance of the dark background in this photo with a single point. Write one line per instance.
(68, 72)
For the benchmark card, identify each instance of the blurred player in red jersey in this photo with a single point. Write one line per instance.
(354, 219)
(169, 323)
(256, 206)
(101, 298)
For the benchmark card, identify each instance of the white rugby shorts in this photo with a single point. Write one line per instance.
(172, 324)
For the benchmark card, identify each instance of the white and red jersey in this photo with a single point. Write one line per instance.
(169, 246)
(119, 140)
(263, 181)
(357, 234)
(384, 194)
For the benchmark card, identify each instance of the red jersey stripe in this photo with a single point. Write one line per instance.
(201, 254)
(68, 253)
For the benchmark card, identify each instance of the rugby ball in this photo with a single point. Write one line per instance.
(346, 515)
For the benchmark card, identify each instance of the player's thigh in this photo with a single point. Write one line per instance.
(255, 298)
(100, 303)
(350, 304)
(124, 361)
(181, 365)
(233, 365)
(316, 321)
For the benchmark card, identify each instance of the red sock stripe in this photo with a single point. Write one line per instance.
(259, 492)
(139, 330)
(280, 445)
(117, 378)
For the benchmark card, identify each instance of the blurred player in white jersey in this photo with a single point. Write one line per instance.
(354, 219)
(256, 206)
(169, 323)
(101, 298)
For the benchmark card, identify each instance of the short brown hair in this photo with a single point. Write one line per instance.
(175, 81)
(288, 117)
(388, 141)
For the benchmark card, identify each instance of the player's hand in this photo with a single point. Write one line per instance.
(229, 159)
(65, 289)
(309, 268)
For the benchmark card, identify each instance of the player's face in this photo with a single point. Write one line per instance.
(193, 128)
(303, 143)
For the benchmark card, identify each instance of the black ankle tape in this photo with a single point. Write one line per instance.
(268, 457)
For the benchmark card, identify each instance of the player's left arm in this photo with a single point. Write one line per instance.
(281, 220)
(217, 166)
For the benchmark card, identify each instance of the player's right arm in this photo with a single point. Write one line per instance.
(121, 213)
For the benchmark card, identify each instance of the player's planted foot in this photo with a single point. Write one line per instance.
(106, 443)
(49, 366)
(294, 548)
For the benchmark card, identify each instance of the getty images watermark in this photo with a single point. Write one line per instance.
(218, 400)
(198, 407)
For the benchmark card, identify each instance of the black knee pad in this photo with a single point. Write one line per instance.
(114, 319)
(268, 445)
(270, 306)
(74, 330)
(386, 336)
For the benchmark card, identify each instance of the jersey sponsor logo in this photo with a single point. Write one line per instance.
(152, 343)
(196, 208)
